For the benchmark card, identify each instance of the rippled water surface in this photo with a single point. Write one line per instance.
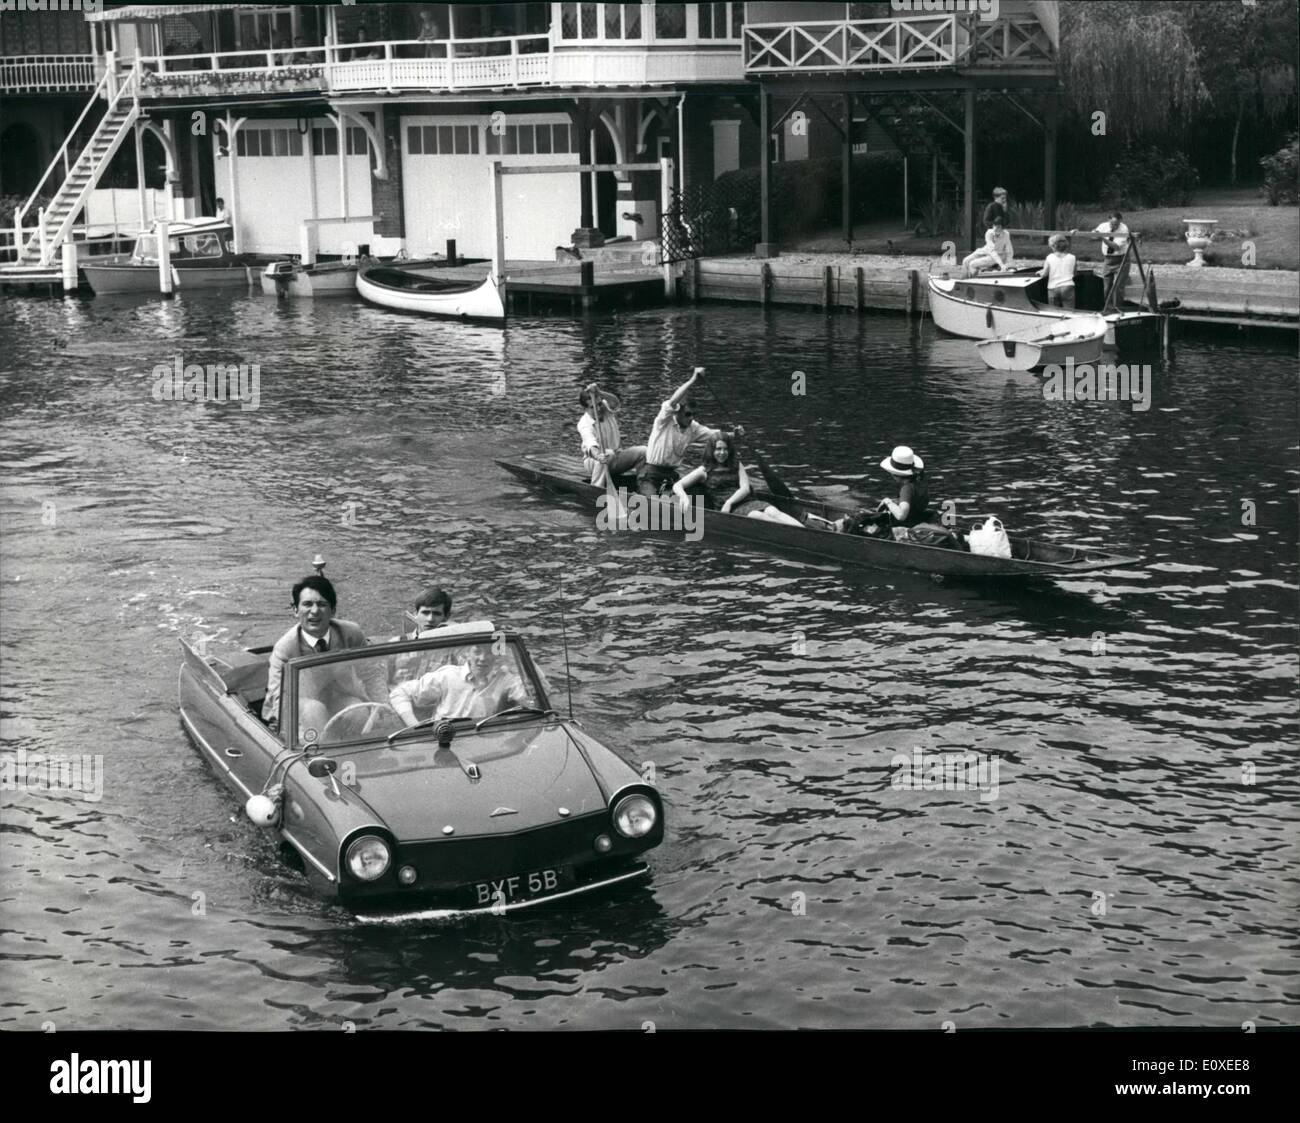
(1128, 872)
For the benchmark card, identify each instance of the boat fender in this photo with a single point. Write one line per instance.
(264, 809)
(988, 318)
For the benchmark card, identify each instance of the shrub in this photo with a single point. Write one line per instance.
(1281, 173)
(1150, 178)
(944, 218)
(806, 194)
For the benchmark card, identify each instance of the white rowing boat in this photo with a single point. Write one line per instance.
(1078, 338)
(409, 291)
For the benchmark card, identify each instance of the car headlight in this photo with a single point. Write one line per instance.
(635, 816)
(368, 858)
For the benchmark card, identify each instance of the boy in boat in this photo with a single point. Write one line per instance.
(603, 453)
(996, 253)
(674, 431)
(1058, 268)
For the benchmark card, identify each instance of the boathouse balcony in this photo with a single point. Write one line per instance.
(47, 74)
(242, 50)
(1019, 41)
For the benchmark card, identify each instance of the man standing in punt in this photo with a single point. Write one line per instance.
(603, 453)
(674, 431)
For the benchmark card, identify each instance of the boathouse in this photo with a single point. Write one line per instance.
(375, 125)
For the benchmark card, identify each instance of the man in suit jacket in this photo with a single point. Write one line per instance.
(316, 632)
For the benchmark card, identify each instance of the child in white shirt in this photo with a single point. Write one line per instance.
(1058, 268)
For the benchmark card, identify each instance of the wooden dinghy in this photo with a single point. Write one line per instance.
(408, 291)
(1029, 559)
(1078, 338)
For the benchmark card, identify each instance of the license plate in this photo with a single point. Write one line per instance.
(520, 887)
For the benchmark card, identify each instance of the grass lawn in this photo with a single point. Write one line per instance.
(1242, 215)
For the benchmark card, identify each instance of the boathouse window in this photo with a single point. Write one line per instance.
(442, 140)
(324, 142)
(721, 21)
(601, 21)
(670, 21)
(527, 140)
(268, 142)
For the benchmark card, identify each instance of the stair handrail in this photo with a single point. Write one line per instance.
(61, 154)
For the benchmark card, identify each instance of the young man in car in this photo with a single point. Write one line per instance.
(484, 683)
(315, 633)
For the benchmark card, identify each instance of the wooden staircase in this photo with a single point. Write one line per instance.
(914, 130)
(40, 244)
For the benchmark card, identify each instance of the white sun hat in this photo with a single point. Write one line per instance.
(901, 461)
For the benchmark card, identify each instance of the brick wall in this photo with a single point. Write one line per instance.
(386, 195)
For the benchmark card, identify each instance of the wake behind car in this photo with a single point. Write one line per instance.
(391, 806)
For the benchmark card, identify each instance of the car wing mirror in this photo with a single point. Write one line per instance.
(323, 766)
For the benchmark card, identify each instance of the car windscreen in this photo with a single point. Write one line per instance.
(368, 696)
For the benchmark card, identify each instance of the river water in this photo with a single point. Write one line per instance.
(1137, 866)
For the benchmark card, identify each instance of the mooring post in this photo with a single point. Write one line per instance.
(451, 251)
(860, 295)
(164, 256)
(695, 280)
(69, 265)
(586, 275)
(827, 284)
(765, 283)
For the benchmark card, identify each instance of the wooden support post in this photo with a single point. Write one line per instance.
(860, 287)
(827, 288)
(765, 164)
(907, 223)
(765, 284)
(695, 280)
(587, 274)
(934, 188)
(451, 251)
(913, 286)
(968, 225)
(846, 169)
(498, 225)
(1049, 162)
(665, 204)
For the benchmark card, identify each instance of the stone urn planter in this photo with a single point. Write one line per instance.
(1199, 233)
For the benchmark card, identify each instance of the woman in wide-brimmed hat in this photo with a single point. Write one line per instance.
(911, 506)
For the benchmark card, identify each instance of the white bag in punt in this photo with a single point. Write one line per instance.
(990, 539)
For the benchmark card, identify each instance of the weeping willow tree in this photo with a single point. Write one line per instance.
(1136, 63)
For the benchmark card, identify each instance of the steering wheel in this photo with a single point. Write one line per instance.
(378, 707)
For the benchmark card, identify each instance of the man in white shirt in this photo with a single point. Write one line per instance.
(1059, 271)
(483, 685)
(1114, 252)
(674, 431)
(603, 453)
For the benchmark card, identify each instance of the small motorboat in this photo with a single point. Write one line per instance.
(1079, 338)
(290, 278)
(201, 258)
(408, 290)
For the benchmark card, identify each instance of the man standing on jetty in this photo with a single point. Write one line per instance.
(674, 431)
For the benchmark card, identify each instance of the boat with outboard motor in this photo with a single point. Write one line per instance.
(410, 289)
(291, 278)
(815, 539)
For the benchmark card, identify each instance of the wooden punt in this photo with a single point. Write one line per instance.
(1030, 558)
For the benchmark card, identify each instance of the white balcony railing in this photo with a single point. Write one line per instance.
(390, 66)
(47, 73)
(920, 43)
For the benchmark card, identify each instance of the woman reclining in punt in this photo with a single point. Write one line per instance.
(726, 485)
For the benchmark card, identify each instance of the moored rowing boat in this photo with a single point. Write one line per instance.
(1030, 558)
(409, 291)
(1078, 338)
